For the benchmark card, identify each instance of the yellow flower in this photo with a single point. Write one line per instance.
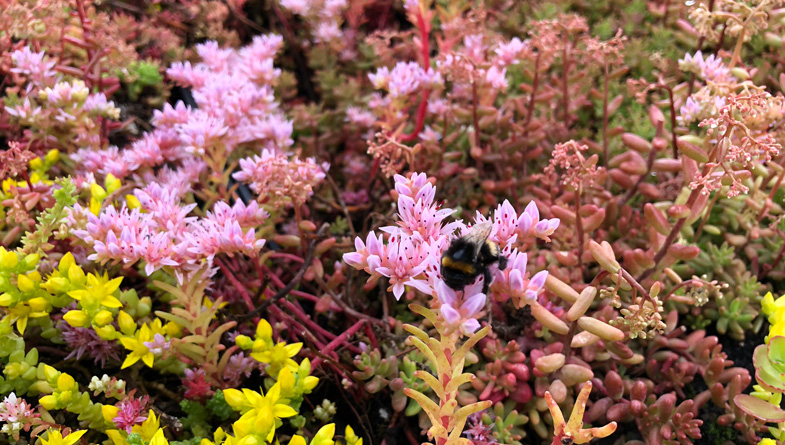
(279, 356)
(98, 293)
(351, 438)
(322, 437)
(53, 437)
(259, 412)
(774, 309)
(116, 437)
(149, 428)
(24, 310)
(159, 439)
(325, 435)
(767, 441)
(138, 350)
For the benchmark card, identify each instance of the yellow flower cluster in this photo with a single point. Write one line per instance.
(98, 194)
(775, 310)
(263, 349)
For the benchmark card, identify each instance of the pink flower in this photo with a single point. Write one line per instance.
(247, 216)
(710, 68)
(509, 53)
(404, 79)
(183, 74)
(156, 250)
(429, 135)
(360, 117)
(36, 66)
(211, 238)
(438, 106)
(262, 47)
(215, 57)
(461, 312)
(296, 6)
(496, 78)
(401, 262)
(380, 78)
(130, 412)
(326, 31)
(411, 186)
(164, 209)
(158, 346)
(239, 365)
(170, 116)
(197, 388)
(17, 414)
(275, 176)
(474, 47)
(144, 152)
(514, 280)
(203, 134)
(421, 219)
(529, 224)
(359, 258)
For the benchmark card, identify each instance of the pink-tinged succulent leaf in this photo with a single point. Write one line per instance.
(760, 409)
(765, 372)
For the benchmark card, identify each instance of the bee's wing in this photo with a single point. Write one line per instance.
(477, 236)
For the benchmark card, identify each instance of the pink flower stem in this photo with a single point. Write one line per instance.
(340, 340)
(605, 123)
(426, 63)
(288, 256)
(579, 228)
(237, 284)
(371, 336)
(564, 83)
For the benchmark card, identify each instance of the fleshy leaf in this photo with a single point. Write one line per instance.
(759, 408)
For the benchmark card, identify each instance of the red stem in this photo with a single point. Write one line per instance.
(425, 52)
(237, 284)
(338, 341)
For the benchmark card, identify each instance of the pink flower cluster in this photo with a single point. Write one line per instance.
(277, 178)
(710, 69)
(411, 253)
(236, 105)
(50, 106)
(404, 79)
(162, 234)
(324, 17)
(17, 415)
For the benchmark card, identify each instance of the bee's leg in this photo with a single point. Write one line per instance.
(486, 283)
(486, 280)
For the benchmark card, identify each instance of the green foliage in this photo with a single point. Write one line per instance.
(140, 75)
(49, 221)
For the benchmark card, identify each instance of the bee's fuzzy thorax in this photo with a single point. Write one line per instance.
(470, 256)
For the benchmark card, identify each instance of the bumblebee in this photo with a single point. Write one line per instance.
(470, 256)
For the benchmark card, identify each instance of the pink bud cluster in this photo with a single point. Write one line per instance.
(411, 253)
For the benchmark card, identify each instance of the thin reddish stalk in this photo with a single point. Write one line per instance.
(671, 238)
(425, 52)
(340, 340)
(564, 80)
(305, 319)
(237, 284)
(605, 122)
(579, 228)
